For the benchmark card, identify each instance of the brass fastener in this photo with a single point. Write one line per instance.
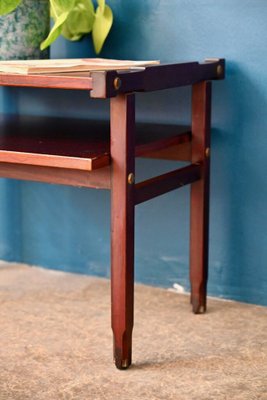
(207, 152)
(131, 178)
(219, 70)
(117, 83)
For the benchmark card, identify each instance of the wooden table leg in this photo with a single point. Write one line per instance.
(122, 116)
(199, 221)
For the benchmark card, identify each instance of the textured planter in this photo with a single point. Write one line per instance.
(22, 31)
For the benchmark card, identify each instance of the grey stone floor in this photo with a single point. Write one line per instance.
(56, 343)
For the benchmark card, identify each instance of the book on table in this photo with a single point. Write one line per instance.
(29, 67)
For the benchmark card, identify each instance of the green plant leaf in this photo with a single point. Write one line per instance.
(101, 28)
(80, 20)
(6, 6)
(60, 6)
(55, 31)
(102, 4)
(75, 18)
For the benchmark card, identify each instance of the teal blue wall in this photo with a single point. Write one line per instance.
(68, 228)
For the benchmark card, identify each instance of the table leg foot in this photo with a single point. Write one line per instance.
(199, 303)
(122, 350)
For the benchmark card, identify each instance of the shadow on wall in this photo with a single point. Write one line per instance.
(238, 239)
(10, 196)
(10, 220)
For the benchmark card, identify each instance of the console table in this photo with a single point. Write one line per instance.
(100, 155)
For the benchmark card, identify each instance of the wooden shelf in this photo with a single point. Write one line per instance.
(78, 81)
(76, 144)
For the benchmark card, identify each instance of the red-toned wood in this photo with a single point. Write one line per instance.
(53, 81)
(55, 161)
(173, 142)
(97, 179)
(199, 222)
(101, 83)
(162, 184)
(122, 116)
(53, 142)
(175, 152)
(66, 153)
(75, 144)
(156, 77)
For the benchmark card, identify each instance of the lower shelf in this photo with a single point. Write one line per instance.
(77, 152)
(75, 144)
(97, 179)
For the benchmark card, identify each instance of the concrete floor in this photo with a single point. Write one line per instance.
(56, 343)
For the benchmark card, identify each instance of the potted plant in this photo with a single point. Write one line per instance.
(24, 25)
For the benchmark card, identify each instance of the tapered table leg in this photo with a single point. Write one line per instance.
(199, 220)
(122, 116)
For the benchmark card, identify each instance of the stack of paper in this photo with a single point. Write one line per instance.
(26, 67)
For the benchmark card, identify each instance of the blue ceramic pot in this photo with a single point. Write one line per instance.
(22, 31)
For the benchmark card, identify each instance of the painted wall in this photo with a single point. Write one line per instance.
(68, 228)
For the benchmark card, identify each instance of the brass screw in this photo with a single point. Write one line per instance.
(131, 178)
(219, 70)
(117, 83)
(207, 152)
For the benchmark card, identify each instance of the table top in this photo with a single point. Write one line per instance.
(109, 83)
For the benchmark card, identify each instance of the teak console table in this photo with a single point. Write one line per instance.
(100, 155)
